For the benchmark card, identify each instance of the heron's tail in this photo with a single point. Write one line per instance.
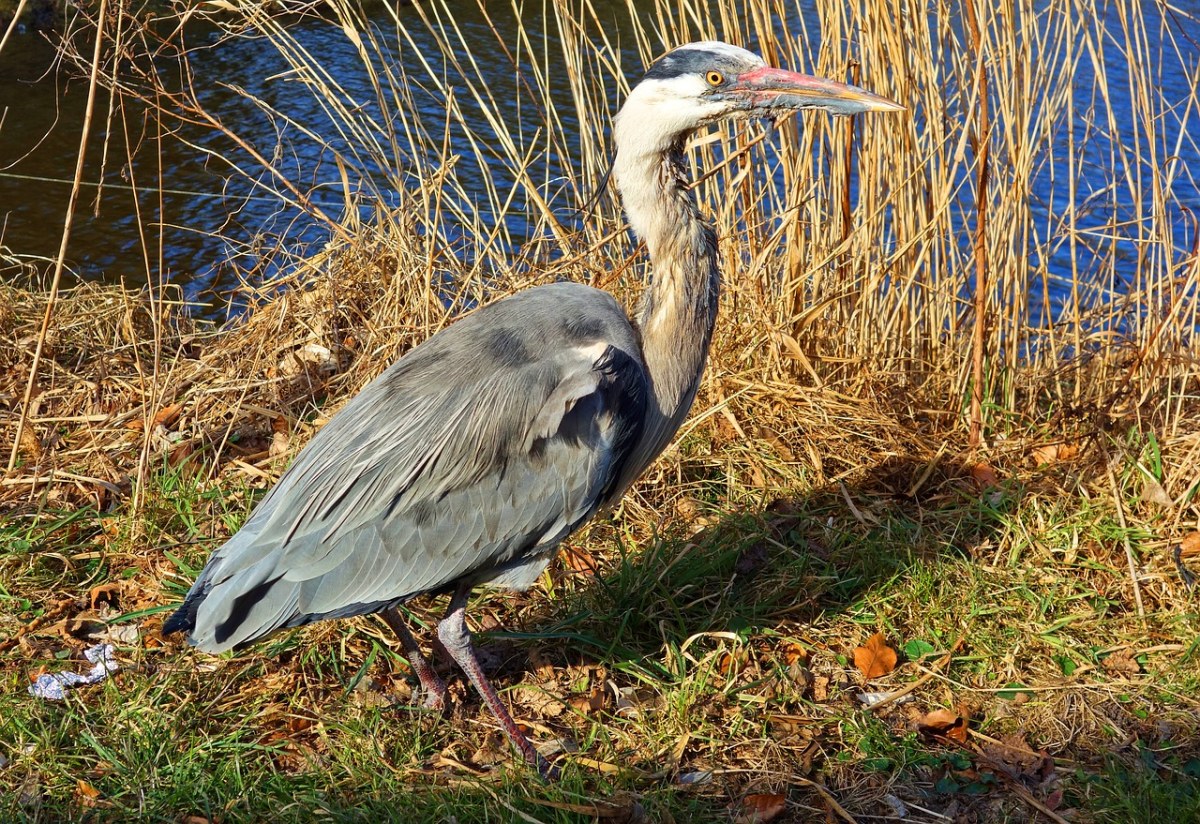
(184, 618)
(225, 611)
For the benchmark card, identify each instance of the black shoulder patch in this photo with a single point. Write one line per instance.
(579, 326)
(507, 348)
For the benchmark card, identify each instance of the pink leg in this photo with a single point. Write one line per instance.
(435, 690)
(454, 635)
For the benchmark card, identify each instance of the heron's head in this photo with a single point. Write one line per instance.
(699, 83)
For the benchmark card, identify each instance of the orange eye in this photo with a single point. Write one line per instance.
(714, 78)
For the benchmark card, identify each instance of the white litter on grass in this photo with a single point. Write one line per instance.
(53, 686)
(873, 698)
(898, 808)
(694, 778)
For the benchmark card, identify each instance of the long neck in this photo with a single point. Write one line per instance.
(679, 306)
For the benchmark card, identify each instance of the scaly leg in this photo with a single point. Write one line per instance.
(435, 690)
(454, 635)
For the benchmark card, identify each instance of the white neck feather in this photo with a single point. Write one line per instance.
(679, 306)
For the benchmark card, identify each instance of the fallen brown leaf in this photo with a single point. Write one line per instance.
(579, 560)
(1013, 753)
(542, 668)
(984, 476)
(1189, 547)
(182, 456)
(1054, 453)
(945, 724)
(1154, 493)
(104, 594)
(168, 415)
(88, 795)
(875, 658)
(31, 447)
(1121, 662)
(298, 723)
(732, 661)
(793, 653)
(591, 702)
(280, 437)
(164, 417)
(759, 808)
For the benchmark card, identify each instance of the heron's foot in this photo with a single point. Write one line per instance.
(452, 632)
(434, 700)
(433, 686)
(547, 770)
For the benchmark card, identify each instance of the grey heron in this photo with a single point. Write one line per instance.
(471, 457)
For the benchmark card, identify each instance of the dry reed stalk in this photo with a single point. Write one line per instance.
(856, 289)
(981, 142)
(13, 23)
(56, 280)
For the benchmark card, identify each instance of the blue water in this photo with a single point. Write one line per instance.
(220, 227)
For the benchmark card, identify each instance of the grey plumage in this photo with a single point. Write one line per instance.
(469, 459)
(438, 471)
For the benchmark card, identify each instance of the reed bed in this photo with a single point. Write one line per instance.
(1002, 257)
(952, 394)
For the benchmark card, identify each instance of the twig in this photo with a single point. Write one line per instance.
(521, 815)
(1015, 785)
(929, 676)
(12, 24)
(825, 794)
(59, 262)
(1026, 796)
(1137, 590)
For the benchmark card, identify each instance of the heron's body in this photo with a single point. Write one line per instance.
(439, 473)
(469, 459)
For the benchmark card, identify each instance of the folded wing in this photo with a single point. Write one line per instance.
(467, 461)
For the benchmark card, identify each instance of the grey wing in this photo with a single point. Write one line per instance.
(465, 462)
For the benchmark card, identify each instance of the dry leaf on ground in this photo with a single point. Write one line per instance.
(1189, 547)
(793, 653)
(579, 560)
(1054, 453)
(875, 658)
(104, 593)
(88, 795)
(759, 808)
(281, 439)
(1154, 493)
(1013, 753)
(945, 724)
(820, 688)
(165, 417)
(984, 476)
(1121, 662)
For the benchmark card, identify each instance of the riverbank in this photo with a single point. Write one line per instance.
(702, 647)
(923, 549)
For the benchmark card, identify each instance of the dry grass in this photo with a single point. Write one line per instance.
(823, 489)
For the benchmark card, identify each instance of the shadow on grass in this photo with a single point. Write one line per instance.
(797, 559)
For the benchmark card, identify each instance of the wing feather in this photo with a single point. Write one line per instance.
(450, 467)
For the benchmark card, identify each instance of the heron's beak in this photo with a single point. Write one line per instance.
(769, 89)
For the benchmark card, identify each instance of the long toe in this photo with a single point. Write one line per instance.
(435, 700)
(548, 770)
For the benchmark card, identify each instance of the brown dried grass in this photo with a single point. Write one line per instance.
(826, 398)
